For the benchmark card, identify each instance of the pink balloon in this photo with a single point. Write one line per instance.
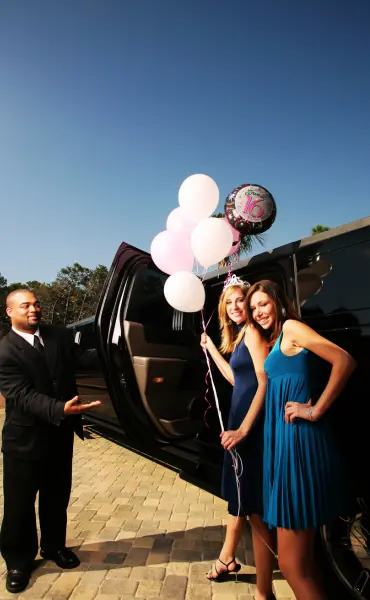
(179, 222)
(236, 240)
(172, 252)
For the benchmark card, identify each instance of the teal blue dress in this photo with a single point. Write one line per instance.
(303, 484)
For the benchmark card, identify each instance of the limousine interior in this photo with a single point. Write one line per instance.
(142, 358)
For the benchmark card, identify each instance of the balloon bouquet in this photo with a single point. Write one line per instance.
(193, 234)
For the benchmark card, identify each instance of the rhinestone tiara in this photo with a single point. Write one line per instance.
(234, 280)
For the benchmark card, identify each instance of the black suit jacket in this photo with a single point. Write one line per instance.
(35, 387)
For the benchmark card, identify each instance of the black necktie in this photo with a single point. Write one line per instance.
(37, 344)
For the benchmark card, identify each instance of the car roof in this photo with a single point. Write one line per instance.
(291, 247)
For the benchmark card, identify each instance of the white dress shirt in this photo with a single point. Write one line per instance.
(29, 337)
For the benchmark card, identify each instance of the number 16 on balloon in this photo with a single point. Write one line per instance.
(250, 209)
(251, 204)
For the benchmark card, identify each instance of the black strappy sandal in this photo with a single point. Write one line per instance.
(224, 575)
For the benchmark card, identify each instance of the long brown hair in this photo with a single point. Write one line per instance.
(283, 308)
(230, 336)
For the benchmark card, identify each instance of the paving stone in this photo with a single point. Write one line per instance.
(151, 502)
(86, 515)
(114, 521)
(119, 587)
(63, 587)
(177, 568)
(137, 557)
(115, 558)
(85, 591)
(194, 532)
(130, 536)
(108, 533)
(174, 587)
(186, 555)
(142, 534)
(186, 543)
(145, 541)
(119, 572)
(38, 590)
(152, 573)
(194, 523)
(149, 588)
(132, 525)
(45, 576)
(157, 558)
(163, 544)
(198, 591)
(197, 573)
(162, 515)
(93, 577)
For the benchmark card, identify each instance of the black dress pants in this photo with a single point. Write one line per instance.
(22, 479)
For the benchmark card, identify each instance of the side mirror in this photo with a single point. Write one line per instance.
(78, 337)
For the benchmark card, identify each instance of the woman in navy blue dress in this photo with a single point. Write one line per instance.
(302, 474)
(245, 432)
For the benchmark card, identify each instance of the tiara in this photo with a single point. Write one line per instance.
(234, 280)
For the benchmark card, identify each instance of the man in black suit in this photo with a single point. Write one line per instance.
(37, 379)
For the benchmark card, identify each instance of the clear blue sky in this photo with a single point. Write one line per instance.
(107, 105)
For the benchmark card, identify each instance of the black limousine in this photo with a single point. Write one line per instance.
(142, 358)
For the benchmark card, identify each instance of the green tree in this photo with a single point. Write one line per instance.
(319, 229)
(71, 297)
(71, 282)
(76, 292)
(93, 289)
(16, 286)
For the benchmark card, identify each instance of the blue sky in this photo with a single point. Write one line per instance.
(107, 105)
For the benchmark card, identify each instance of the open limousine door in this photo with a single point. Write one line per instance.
(148, 351)
(154, 370)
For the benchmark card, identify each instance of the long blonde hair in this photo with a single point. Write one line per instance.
(230, 336)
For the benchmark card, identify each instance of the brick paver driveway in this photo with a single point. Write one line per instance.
(141, 532)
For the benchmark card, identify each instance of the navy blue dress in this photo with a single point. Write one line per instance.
(251, 448)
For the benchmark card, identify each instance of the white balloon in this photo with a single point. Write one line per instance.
(198, 196)
(179, 222)
(184, 291)
(211, 241)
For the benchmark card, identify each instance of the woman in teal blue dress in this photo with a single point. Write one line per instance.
(302, 483)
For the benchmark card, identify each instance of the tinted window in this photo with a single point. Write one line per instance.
(148, 306)
(87, 356)
(87, 336)
(336, 281)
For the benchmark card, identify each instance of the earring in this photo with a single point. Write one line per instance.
(283, 312)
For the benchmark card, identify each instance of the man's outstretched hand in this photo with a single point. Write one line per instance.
(73, 408)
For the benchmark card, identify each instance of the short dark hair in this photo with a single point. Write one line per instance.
(12, 295)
